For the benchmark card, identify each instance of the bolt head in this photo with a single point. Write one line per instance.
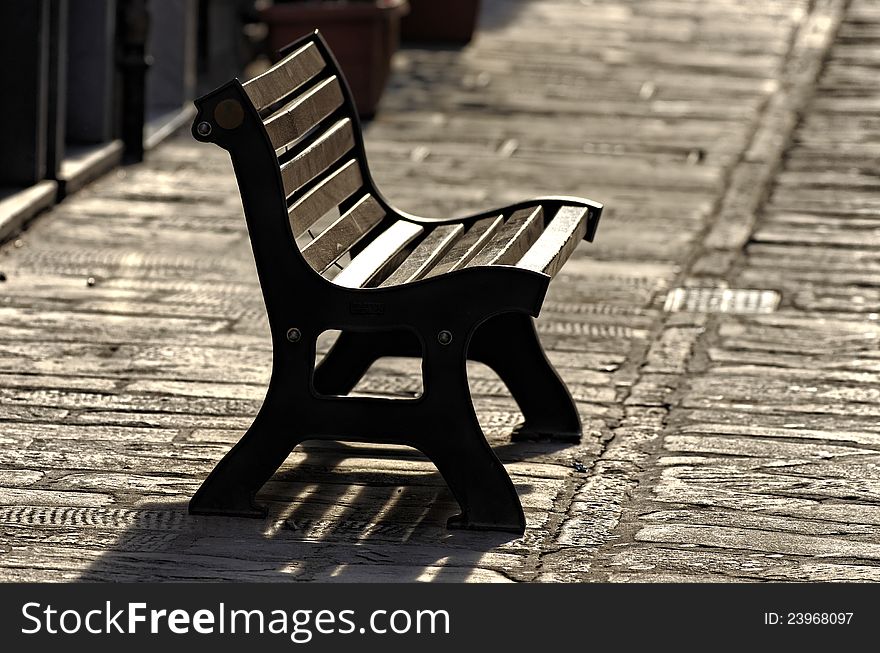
(204, 128)
(294, 335)
(444, 337)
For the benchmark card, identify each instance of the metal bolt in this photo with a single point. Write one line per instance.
(294, 335)
(204, 129)
(444, 337)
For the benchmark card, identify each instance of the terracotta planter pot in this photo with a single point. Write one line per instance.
(441, 21)
(363, 36)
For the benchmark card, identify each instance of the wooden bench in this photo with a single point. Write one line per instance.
(333, 254)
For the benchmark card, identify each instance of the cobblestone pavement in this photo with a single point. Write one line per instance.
(720, 337)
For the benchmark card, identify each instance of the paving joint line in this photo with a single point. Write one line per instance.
(769, 140)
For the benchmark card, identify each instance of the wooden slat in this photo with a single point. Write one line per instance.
(300, 115)
(380, 255)
(284, 77)
(426, 255)
(513, 239)
(466, 247)
(317, 157)
(343, 234)
(557, 242)
(335, 189)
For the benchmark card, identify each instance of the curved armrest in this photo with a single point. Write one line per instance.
(551, 203)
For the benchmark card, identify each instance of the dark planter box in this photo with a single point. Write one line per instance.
(363, 37)
(441, 21)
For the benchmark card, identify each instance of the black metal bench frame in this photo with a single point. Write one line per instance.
(482, 313)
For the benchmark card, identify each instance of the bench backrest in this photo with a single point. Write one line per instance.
(296, 145)
(296, 124)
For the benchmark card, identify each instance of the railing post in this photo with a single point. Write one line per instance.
(24, 111)
(57, 87)
(133, 29)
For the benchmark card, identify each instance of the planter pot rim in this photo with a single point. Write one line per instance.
(302, 11)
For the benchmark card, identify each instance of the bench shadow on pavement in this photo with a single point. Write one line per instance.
(325, 524)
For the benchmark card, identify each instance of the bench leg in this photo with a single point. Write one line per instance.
(455, 443)
(351, 356)
(231, 487)
(509, 344)
(478, 481)
(447, 432)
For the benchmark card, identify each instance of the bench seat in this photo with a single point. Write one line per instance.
(406, 251)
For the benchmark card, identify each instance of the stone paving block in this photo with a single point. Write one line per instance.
(134, 350)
